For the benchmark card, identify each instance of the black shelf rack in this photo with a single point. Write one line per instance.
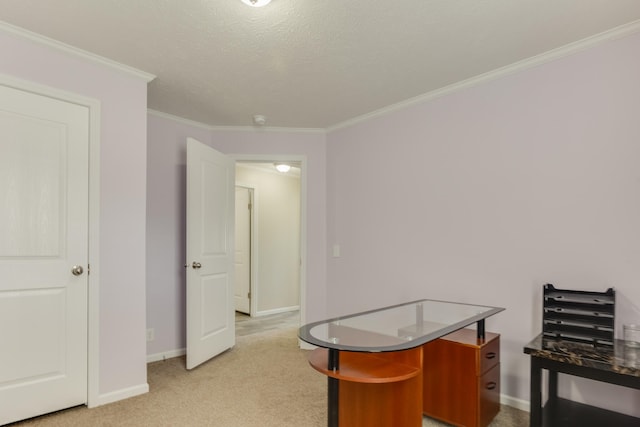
(579, 316)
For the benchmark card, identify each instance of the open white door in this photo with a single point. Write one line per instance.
(210, 253)
(44, 162)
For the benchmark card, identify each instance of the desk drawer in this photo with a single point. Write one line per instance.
(489, 356)
(489, 390)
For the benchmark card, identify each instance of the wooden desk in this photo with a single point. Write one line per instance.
(374, 359)
(618, 365)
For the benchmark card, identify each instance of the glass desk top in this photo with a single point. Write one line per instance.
(398, 327)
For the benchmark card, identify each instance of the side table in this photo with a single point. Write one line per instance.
(618, 365)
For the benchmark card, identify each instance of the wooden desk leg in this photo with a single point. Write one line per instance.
(333, 387)
(535, 414)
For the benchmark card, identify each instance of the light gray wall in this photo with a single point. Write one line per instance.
(277, 237)
(485, 195)
(123, 158)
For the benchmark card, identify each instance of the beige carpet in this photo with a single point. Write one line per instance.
(264, 381)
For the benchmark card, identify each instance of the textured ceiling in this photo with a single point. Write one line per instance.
(311, 64)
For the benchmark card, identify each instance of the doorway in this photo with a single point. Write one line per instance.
(277, 233)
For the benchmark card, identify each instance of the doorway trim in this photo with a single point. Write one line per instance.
(253, 239)
(302, 160)
(93, 267)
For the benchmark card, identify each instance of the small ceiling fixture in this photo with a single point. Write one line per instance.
(256, 3)
(259, 120)
(282, 167)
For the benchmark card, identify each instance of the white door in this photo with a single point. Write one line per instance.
(43, 235)
(243, 250)
(210, 253)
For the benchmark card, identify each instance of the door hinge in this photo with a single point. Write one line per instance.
(249, 295)
(88, 269)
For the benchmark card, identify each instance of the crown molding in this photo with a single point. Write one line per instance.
(561, 52)
(552, 55)
(68, 49)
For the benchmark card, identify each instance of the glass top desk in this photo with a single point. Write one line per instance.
(383, 346)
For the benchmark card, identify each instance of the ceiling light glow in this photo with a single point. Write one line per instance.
(283, 167)
(256, 3)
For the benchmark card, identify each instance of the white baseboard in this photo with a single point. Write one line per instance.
(117, 395)
(166, 355)
(514, 402)
(182, 351)
(277, 310)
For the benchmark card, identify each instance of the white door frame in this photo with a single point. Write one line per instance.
(302, 160)
(252, 246)
(93, 277)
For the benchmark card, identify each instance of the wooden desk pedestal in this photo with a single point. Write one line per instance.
(376, 389)
(462, 378)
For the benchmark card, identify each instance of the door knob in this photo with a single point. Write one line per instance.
(76, 270)
(196, 265)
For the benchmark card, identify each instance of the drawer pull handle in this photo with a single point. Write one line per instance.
(492, 385)
(491, 355)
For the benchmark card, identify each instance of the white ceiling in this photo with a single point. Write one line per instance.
(311, 63)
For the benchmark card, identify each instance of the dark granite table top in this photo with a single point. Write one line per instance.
(618, 358)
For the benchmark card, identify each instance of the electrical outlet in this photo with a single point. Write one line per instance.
(151, 334)
(336, 251)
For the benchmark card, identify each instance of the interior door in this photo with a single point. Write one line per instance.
(210, 253)
(43, 254)
(243, 250)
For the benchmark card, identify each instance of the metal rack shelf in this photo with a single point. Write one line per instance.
(581, 316)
